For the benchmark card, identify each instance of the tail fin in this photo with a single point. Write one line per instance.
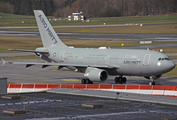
(48, 35)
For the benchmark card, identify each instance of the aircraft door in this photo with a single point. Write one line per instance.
(146, 60)
(107, 60)
(61, 57)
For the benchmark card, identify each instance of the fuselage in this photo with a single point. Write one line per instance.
(130, 61)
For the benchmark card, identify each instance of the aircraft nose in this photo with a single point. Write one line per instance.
(170, 65)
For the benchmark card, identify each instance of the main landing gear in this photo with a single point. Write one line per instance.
(120, 79)
(86, 81)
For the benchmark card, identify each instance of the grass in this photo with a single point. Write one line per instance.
(12, 20)
(153, 29)
(173, 57)
(171, 73)
(138, 19)
(170, 50)
(16, 20)
(31, 43)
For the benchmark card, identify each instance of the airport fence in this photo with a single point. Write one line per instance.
(162, 90)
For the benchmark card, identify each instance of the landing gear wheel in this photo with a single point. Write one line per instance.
(87, 81)
(83, 81)
(116, 79)
(152, 83)
(120, 79)
(124, 79)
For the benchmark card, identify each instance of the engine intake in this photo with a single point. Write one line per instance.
(96, 75)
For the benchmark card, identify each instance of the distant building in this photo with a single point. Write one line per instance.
(76, 16)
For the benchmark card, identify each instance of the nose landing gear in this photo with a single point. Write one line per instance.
(152, 81)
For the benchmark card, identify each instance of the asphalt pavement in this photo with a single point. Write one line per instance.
(100, 36)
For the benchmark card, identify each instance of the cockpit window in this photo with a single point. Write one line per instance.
(161, 59)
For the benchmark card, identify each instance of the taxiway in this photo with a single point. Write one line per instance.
(99, 36)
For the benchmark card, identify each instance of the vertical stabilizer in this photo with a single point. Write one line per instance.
(47, 33)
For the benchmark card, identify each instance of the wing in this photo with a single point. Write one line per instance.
(28, 64)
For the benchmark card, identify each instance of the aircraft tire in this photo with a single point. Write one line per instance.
(116, 79)
(83, 81)
(87, 81)
(152, 83)
(124, 79)
(120, 80)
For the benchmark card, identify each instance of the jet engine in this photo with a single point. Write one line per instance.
(96, 75)
(153, 76)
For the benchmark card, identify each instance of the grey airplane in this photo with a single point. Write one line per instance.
(96, 64)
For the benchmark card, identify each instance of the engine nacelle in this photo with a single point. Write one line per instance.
(153, 76)
(96, 75)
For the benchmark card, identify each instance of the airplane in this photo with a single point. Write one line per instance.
(96, 64)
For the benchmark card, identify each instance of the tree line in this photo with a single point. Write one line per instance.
(90, 8)
(115, 8)
(26, 7)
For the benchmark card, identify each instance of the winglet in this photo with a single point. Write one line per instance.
(3, 61)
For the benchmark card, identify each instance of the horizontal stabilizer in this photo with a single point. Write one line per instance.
(3, 61)
(33, 51)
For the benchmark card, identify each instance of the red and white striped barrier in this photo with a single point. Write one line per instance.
(163, 90)
(21, 88)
